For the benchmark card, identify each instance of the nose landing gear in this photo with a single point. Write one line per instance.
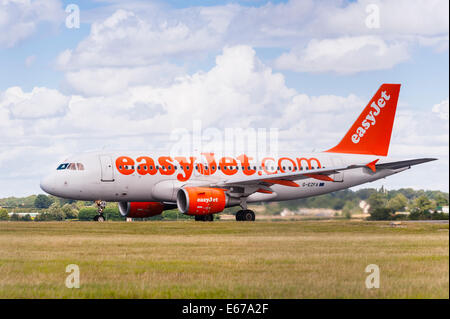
(100, 207)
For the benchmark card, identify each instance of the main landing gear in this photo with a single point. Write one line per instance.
(204, 218)
(100, 207)
(245, 215)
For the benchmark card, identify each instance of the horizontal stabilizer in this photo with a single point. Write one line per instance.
(402, 164)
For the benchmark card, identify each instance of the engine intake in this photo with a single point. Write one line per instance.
(201, 200)
(140, 209)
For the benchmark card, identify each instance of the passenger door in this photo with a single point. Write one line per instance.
(107, 168)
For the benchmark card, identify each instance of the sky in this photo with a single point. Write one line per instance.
(133, 72)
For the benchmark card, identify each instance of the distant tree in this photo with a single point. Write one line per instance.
(112, 213)
(42, 201)
(4, 214)
(364, 194)
(381, 213)
(422, 208)
(397, 203)
(377, 200)
(55, 212)
(26, 218)
(87, 213)
(423, 203)
(14, 217)
(408, 192)
(69, 211)
(441, 200)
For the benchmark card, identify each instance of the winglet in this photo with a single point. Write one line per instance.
(372, 166)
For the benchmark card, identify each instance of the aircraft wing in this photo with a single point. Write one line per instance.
(323, 174)
(278, 178)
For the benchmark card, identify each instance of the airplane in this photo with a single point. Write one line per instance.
(144, 185)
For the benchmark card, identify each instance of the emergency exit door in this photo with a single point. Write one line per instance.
(107, 168)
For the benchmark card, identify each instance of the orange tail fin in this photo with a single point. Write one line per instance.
(371, 133)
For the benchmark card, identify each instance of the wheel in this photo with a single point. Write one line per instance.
(239, 215)
(248, 215)
(199, 218)
(99, 218)
(209, 218)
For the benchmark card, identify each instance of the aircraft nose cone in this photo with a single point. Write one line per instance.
(47, 184)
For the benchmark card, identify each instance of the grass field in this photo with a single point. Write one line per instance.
(185, 259)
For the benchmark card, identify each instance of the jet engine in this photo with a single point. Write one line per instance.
(141, 209)
(201, 200)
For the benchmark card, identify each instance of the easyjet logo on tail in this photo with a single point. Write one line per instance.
(370, 119)
(371, 132)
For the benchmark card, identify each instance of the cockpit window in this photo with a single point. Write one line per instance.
(71, 166)
(63, 166)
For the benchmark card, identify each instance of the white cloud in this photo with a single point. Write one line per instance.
(142, 35)
(127, 39)
(344, 55)
(109, 81)
(40, 102)
(442, 109)
(20, 18)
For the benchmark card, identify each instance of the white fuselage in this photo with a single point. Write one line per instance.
(104, 175)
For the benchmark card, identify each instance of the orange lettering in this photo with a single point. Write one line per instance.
(125, 165)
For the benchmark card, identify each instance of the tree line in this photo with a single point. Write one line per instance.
(384, 205)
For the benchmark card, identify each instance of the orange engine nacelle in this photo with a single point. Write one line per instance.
(140, 209)
(201, 200)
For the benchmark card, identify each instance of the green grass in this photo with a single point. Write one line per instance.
(186, 259)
